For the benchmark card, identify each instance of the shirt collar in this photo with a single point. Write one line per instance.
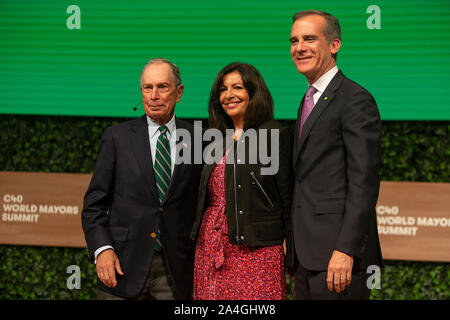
(153, 126)
(322, 83)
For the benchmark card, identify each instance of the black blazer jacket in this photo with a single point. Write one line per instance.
(122, 209)
(336, 162)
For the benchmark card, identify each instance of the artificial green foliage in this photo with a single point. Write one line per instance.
(414, 280)
(415, 151)
(50, 144)
(412, 151)
(41, 273)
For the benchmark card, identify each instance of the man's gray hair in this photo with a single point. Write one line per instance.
(332, 28)
(175, 70)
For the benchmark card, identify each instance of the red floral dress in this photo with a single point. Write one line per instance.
(225, 271)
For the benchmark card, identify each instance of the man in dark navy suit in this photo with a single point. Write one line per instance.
(336, 160)
(137, 224)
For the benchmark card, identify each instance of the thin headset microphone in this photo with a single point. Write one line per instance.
(135, 107)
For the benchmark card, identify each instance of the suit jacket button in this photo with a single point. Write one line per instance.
(242, 237)
(241, 212)
(153, 235)
(161, 209)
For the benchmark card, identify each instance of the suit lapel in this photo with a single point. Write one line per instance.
(297, 130)
(140, 145)
(323, 102)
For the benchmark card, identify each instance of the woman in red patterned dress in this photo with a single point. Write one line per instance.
(243, 215)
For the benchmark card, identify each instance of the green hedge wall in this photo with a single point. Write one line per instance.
(412, 151)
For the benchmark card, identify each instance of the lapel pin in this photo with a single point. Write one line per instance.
(326, 98)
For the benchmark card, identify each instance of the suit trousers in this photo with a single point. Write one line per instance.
(158, 286)
(312, 285)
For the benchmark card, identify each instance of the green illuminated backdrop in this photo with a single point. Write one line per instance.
(48, 68)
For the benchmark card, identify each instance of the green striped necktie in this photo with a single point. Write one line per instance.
(162, 171)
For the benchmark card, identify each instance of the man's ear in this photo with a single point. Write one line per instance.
(180, 90)
(334, 46)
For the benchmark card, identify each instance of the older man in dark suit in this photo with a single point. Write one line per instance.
(336, 160)
(139, 207)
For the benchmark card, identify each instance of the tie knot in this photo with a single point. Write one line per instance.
(163, 130)
(311, 91)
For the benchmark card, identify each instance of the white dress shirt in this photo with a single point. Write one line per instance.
(322, 83)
